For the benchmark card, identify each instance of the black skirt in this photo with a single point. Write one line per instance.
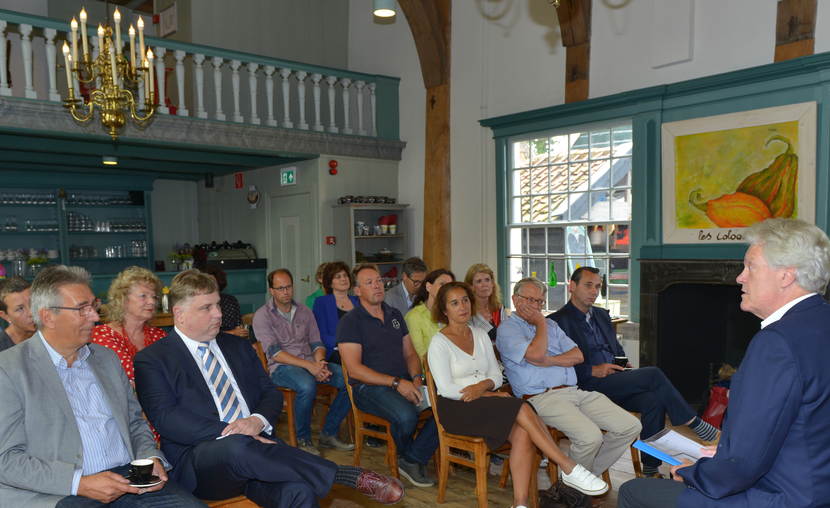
(491, 418)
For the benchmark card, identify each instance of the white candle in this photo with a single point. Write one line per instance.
(131, 32)
(74, 25)
(83, 34)
(150, 65)
(112, 63)
(141, 38)
(146, 81)
(67, 60)
(117, 17)
(101, 35)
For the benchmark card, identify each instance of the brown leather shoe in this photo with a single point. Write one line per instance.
(383, 489)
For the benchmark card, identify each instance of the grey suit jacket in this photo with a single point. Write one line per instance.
(396, 297)
(40, 445)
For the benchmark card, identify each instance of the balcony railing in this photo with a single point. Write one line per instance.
(212, 83)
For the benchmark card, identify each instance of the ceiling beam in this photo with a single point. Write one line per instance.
(575, 26)
(427, 21)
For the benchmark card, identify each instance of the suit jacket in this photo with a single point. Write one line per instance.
(572, 321)
(40, 444)
(179, 403)
(325, 312)
(775, 447)
(396, 297)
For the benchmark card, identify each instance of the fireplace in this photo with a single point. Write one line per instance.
(691, 321)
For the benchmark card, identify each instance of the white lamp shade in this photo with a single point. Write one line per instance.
(384, 8)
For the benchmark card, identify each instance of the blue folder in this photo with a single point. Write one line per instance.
(654, 452)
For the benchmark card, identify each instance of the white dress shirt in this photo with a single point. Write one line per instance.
(778, 314)
(454, 369)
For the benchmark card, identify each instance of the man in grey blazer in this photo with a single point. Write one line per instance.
(69, 421)
(413, 272)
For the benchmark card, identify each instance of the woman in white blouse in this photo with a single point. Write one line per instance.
(466, 373)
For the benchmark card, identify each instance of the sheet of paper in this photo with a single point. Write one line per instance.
(676, 445)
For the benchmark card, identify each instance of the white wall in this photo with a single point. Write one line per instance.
(174, 205)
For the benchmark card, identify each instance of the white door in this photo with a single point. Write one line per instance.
(292, 234)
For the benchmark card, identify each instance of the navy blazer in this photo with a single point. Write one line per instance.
(179, 404)
(775, 447)
(572, 321)
(325, 312)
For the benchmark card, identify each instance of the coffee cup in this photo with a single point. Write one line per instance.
(141, 470)
(393, 229)
(622, 361)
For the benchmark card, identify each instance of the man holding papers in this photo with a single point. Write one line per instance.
(775, 447)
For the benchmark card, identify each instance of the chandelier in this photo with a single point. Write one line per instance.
(118, 86)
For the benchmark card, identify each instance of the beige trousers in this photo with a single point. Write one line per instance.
(582, 416)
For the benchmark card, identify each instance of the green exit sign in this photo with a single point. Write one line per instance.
(288, 176)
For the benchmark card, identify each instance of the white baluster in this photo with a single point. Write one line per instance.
(217, 86)
(373, 103)
(237, 115)
(301, 75)
(50, 34)
(179, 54)
(252, 84)
(160, 94)
(345, 82)
(4, 84)
(269, 94)
(199, 72)
(359, 85)
(286, 89)
(332, 81)
(315, 79)
(26, 49)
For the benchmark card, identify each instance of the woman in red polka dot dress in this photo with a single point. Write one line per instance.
(131, 303)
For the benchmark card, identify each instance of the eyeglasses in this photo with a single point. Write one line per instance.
(416, 282)
(283, 288)
(535, 301)
(84, 310)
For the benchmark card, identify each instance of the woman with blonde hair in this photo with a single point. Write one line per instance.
(489, 310)
(131, 304)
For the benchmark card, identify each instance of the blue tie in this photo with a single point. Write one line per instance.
(221, 385)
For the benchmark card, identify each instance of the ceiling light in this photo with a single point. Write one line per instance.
(109, 160)
(384, 8)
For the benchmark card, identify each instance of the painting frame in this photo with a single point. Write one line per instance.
(673, 133)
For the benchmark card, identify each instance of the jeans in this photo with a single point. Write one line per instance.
(386, 402)
(171, 496)
(302, 382)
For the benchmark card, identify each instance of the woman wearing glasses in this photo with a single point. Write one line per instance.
(466, 373)
(131, 304)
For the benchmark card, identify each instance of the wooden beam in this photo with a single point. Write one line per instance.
(575, 26)
(430, 22)
(795, 29)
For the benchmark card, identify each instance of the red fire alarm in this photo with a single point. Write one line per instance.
(332, 168)
(238, 180)
(331, 240)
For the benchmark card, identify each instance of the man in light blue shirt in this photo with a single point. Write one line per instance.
(538, 359)
(69, 421)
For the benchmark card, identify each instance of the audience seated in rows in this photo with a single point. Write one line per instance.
(15, 293)
(466, 373)
(413, 272)
(539, 360)
(385, 371)
(329, 308)
(419, 318)
(296, 360)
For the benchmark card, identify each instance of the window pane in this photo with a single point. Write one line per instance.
(557, 297)
(619, 271)
(558, 206)
(521, 182)
(576, 240)
(579, 176)
(536, 243)
(515, 271)
(600, 177)
(600, 144)
(521, 154)
(559, 178)
(539, 152)
(538, 267)
(621, 205)
(620, 239)
(621, 172)
(558, 149)
(618, 299)
(598, 239)
(539, 181)
(622, 140)
(600, 206)
(539, 213)
(559, 269)
(579, 204)
(556, 240)
(516, 243)
(579, 146)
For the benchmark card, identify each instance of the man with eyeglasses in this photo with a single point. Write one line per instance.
(69, 421)
(297, 360)
(414, 271)
(539, 362)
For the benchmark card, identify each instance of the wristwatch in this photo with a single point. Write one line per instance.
(423, 379)
(395, 382)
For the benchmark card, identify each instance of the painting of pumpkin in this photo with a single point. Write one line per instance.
(737, 210)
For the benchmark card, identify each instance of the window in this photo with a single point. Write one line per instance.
(570, 206)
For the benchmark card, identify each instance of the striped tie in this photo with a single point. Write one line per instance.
(218, 380)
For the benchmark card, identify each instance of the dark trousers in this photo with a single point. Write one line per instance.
(649, 392)
(649, 493)
(271, 475)
(171, 496)
(386, 402)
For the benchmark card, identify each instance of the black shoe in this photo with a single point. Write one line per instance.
(414, 472)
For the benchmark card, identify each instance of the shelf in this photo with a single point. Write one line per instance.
(372, 206)
(376, 237)
(29, 232)
(81, 233)
(130, 258)
(19, 205)
(109, 207)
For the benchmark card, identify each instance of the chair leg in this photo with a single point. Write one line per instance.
(505, 473)
(350, 419)
(392, 453)
(443, 472)
(289, 412)
(606, 476)
(358, 446)
(481, 475)
(635, 461)
(533, 490)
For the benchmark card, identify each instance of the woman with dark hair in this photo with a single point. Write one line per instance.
(231, 314)
(466, 373)
(419, 318)
(329, 308)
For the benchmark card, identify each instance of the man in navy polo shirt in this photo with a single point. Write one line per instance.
(385, 371)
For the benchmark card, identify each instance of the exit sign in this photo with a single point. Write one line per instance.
(288, 176)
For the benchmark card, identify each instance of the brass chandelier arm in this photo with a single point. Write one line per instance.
(128, 97)
(74, 108)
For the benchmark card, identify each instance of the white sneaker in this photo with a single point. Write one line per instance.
(584, 481)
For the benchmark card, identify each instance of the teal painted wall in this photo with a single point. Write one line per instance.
(801, 80)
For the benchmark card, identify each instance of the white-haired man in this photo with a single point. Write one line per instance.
(775, 445)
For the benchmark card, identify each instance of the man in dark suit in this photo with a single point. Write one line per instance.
(646, 390)
(215, 409)
(775, 447)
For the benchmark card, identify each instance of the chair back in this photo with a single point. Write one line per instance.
(349, 390)
(261, 354)
(433, 394)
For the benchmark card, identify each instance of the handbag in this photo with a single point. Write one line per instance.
(560, 495)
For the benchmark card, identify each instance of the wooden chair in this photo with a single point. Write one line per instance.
(232, 502)
(288, 396)
(476, 446)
